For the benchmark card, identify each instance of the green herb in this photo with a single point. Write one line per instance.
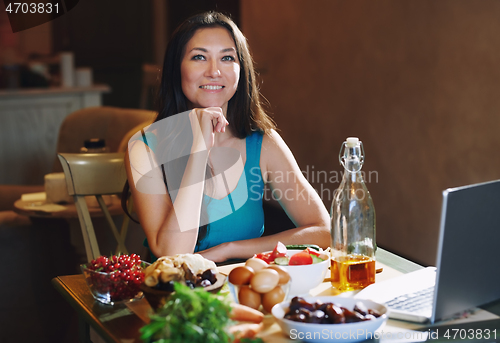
(302, 246)
(316, 259)
(252, 340)
(189, 315)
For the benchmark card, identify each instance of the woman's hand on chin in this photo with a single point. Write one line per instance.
(205, 122)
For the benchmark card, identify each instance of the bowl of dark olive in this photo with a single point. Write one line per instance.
(208, 280)
(330, 318)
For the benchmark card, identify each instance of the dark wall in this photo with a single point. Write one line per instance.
(180, 10)
(114, 38)
(416, 80)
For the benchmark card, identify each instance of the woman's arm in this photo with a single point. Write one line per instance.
(172, 228)
(153, 205)
(297, 197)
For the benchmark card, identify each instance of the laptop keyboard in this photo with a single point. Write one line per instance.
(417, 302)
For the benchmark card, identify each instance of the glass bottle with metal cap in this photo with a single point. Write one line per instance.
(353, 224)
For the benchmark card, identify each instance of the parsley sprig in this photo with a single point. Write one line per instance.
(189, 315)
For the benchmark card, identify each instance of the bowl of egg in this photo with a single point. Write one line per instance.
(259, 285)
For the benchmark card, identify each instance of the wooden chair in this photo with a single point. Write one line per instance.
(96, 175)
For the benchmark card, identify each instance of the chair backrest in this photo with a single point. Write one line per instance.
(92, 174)
(105, 122)
(97, 175)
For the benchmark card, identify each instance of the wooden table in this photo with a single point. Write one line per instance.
(121, 323)
(65, 219)
(113, 323)
(39, 209)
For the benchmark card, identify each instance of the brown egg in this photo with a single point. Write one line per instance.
(256, 264)
(241, 275)
(265, 280)
(272, 298)
(248, 297)
(284, 276)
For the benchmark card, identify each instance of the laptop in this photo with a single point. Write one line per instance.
(466, 273)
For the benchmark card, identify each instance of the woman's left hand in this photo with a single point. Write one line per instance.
(218, 253)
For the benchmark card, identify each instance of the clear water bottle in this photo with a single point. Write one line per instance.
(353, 224)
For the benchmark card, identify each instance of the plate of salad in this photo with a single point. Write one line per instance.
(287, 255)
(306, 264)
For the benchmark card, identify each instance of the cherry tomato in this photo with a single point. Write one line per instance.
(265, 256)
(300, 258)
(279, 251)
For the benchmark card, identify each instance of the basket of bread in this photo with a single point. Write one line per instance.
(192, 270)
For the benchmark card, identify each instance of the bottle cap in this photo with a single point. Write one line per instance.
(352, 142)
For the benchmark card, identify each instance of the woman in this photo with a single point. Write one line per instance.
(208, 72)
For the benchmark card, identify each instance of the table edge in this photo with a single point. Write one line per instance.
(396, 262)
(82, 310)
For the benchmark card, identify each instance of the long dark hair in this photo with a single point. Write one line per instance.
(245, 111)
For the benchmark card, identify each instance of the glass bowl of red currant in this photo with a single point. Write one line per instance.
(115, 279)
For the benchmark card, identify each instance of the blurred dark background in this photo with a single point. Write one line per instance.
(117, 38)
(416, 80)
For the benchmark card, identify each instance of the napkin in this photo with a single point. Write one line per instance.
(33, 197)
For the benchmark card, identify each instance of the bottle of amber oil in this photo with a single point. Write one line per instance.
(353, 224)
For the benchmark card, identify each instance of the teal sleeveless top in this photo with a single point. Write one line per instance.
(239, 215)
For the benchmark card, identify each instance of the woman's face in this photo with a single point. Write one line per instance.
(210, 69)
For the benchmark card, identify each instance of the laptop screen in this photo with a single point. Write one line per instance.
(468, 258)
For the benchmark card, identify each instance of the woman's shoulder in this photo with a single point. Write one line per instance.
(274, 149)
(141, 151)
(272, 140)
(275, 155)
